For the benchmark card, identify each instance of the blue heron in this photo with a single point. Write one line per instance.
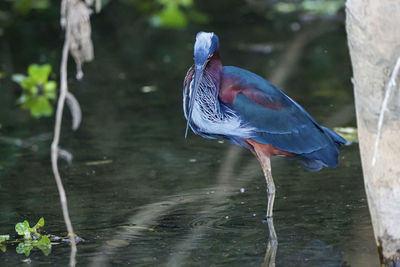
(230, 103)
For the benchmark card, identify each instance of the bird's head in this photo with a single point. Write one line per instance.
(206, 45)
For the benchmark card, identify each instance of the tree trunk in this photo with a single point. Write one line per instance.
(373, 29)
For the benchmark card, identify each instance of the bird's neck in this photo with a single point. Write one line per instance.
(208, 93)
(214, 69)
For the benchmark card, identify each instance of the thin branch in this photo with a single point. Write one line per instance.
(75, 16)
(390, 84)
(56, 140)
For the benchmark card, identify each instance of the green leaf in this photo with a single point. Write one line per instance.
(28, 103)
(39, 224)
(44, 241)
(24, 248)
(28, 83)
(18, 78)
(20, 228)
(50, 86)
(41, 107)
(37, 90)
(44, 244)
(50, 89)
(4, 238)
(39, 73)
(23, 229)
(50, 95)
(170, 17)
(33, 90)
(3, 248)
(26, 225)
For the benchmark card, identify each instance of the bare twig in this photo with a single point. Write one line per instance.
(75, 109)
(390, 84)
(75, 19)
(56, 140)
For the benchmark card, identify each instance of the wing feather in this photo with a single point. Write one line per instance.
(277, 119)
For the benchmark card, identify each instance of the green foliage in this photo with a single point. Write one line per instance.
(23, 229)
(174, 14)
(24, 6)
(4, 238)
(24, 248)
(43, 244)
(11, 11)
(37, 90)
(171, 15)
(33, 239)
(26, 231)
(329, 7)
(348, 133)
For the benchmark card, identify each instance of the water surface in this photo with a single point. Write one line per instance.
(159, 199)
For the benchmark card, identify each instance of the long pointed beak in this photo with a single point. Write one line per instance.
(198, 74)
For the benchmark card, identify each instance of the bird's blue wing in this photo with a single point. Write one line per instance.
(276, 118)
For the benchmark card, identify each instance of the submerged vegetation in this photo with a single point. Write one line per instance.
(37, 90)
(32, 238)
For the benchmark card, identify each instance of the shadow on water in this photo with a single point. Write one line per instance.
(158, 199)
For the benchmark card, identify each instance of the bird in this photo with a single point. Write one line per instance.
(234, 104)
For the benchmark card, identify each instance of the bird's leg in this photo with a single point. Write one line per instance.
(266, 166)
(272, 246)
(265, 162)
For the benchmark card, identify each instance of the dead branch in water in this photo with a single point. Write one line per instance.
(75, 16)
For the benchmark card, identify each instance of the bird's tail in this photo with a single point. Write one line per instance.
(339, 141)
(328, 156)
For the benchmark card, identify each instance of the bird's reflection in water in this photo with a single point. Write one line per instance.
(272, 246)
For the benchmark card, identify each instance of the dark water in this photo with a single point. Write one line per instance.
(159, 199)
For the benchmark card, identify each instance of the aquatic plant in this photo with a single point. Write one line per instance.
(31, 239)
(37, 90)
